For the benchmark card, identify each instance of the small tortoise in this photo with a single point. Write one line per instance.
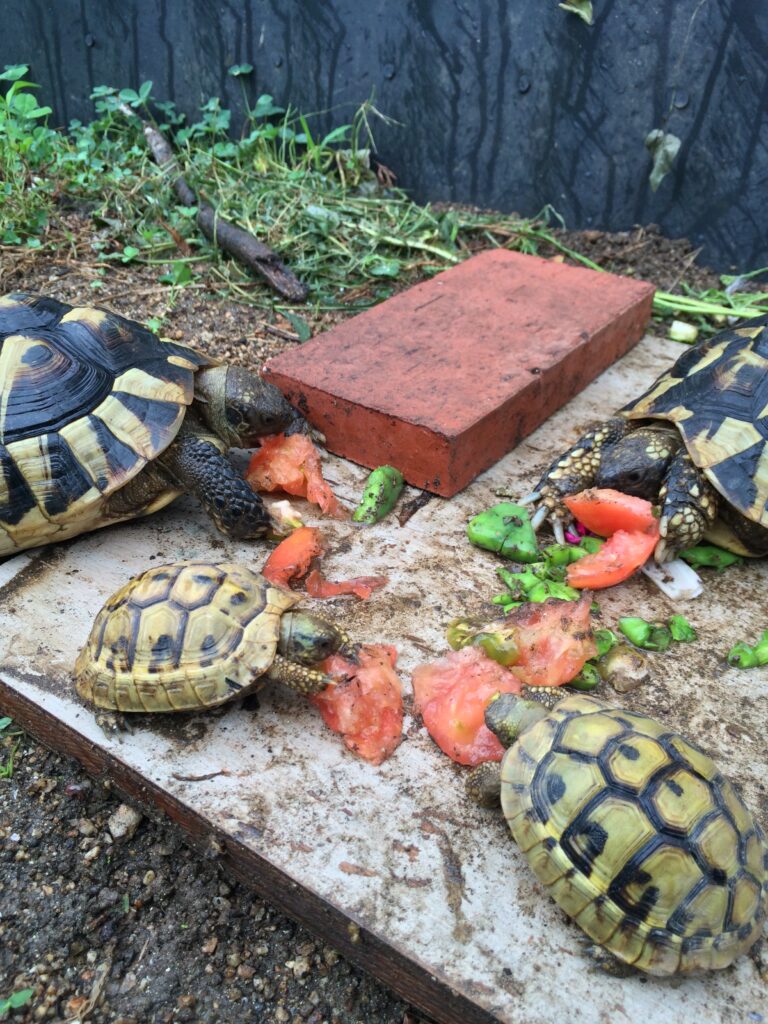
(696, 441)
(101, 421)
(192, 635)
(633, 831)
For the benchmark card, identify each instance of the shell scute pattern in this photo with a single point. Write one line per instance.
(87, 398)
(639, 839)
(717, 395)
(154, 645)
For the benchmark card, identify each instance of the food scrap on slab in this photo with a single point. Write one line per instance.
(366, 704)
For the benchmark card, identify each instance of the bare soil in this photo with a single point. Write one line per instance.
(153, 933)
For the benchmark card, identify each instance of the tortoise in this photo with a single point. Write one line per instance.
(696, 441)
(191, 635)
(101, 421)
(632, 829)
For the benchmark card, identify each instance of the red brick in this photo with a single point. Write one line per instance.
(443, 379)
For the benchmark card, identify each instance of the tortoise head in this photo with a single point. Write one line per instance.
(508, 716)
(240, 406)
(636, 464)
(308, 639)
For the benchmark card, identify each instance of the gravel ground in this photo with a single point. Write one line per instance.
(109, 917)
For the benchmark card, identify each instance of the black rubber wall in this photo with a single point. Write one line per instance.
(510, 104)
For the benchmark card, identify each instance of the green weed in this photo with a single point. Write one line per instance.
(8, 740)
(351, 236)
(16, 1000)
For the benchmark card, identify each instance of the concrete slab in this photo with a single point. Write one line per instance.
(391, 864)
(443, 379)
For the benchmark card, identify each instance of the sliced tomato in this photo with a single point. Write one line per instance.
(554, 640)
(604, 511)
(361, 586)
(616, 560)
(451, 695)
(292, 556)
(292, 464)
(366, 707)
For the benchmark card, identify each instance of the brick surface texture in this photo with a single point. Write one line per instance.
(443, 379)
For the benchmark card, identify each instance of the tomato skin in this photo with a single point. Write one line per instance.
(451, 695)
(604, 511)
(616, 560)
(366, 707)
(292, 556)
(292, 464)
(361, 586)
(554, 640)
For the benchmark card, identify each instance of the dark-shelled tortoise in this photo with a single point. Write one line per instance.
(632, 830)
(101, 421)
(696, 441)
(192, 635)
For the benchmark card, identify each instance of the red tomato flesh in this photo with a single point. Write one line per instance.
(366, 707)
(616, 560)
(292, 464)
(361, 586)
(604, 511)
(554, 640)
(451, 695)
(292, 556)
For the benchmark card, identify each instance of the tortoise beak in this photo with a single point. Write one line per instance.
(350, 651)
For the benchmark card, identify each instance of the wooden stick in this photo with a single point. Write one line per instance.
(234, 240)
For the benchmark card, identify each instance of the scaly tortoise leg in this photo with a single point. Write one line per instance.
(688, 507)
(199, 468)
(299, 677)
(572, 472)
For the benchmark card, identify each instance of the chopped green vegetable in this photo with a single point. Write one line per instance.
(505, 529)
(538, 593)
(741, 655)
(708, 556)
(635, 629)
(591, 544)
(604, 639)
(496, 639)
(587, 679)
(382, 489)
(652, 636)
(681, 629)
(563, 592)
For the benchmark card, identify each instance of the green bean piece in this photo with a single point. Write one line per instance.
(635, 629)
(761, 649)
(604, 639)
(506, 529)
(382, 489)
(563, 592)
(741, 655)
(708, 556)
(591, 544)
(587, 679)
(681, 629)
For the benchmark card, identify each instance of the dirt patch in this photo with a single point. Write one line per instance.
(144, 929)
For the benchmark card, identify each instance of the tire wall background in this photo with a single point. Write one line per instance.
(506, 104)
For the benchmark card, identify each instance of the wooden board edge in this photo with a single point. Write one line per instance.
(388, 964)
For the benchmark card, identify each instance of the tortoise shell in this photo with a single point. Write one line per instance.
(182, 637)
(716, 394)
(637, 836)
(87, 399)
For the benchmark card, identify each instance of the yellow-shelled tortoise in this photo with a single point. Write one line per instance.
(193, 635)
(632, 830)
(101, 421)
(696, 442)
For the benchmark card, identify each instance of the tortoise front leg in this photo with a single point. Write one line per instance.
(198, 467)
(299, 677)
(571, 473)
(688, 507)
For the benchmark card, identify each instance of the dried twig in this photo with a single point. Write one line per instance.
(234, 240)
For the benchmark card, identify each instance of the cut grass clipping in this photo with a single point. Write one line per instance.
(347, 232)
